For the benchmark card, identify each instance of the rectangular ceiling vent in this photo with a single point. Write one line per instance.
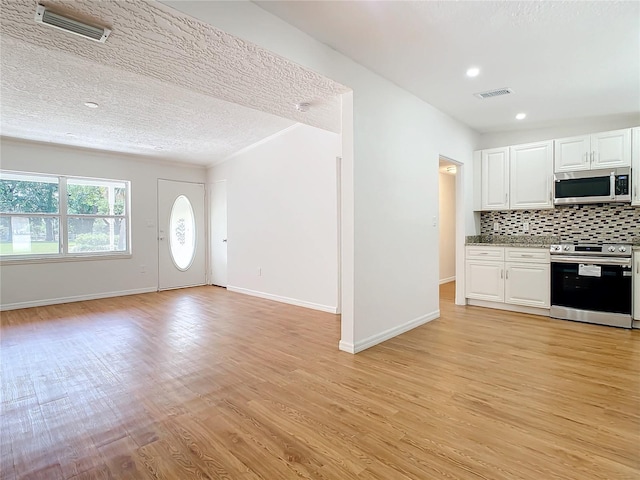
(493, 93)
(69, 25)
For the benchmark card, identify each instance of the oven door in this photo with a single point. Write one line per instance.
(596, 290)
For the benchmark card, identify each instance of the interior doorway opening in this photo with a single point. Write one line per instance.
(451, 229)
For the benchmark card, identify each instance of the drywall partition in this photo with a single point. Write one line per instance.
(397, 141)
(282, 240)
(32, 284)
(447, 227)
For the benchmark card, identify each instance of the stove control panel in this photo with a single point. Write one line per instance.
(591, 249)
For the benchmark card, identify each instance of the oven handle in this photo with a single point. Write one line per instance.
(592, 260)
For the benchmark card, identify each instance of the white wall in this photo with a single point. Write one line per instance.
(447, 199)
(282, 217)
(397, 141)
(579, 127)
(44, 283)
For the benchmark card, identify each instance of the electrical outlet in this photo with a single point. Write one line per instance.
(496, 227)
(525, 227)
(143, 269)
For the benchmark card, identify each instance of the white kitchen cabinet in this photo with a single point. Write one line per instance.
(531, 176)
(527, 284)
(495, 179)
(485, 280)
(635, 167)
(592, 152)
(573, 154)
(511, 275)
(636, 286)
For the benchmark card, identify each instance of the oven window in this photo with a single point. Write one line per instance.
(611, 292)
(583, 187)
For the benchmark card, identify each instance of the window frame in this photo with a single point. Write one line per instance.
(63, 216)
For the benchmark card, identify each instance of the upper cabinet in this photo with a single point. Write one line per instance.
(517, 178)
(591, 152)
(520, 177)
(635, 171)
(495, 179)
(573, 154)
(531, 179)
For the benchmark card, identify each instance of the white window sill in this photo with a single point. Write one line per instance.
(22, 260)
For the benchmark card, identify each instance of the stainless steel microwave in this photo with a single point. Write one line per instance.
(593, 186)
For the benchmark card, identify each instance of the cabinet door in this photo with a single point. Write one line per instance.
(572, 154)
(636, 286)
(611, 149)
(635, 167)
(528, 284)
(495, 179)
(531, 168)
(485, 280)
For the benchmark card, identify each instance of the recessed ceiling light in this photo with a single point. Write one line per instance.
(473, 72)
(157, 148)
(69, 134)
(303, 107)
(521, 116)
(91, 104)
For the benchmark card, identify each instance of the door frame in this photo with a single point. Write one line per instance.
(459, 228)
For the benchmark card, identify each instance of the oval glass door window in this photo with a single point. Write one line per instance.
(182, 239)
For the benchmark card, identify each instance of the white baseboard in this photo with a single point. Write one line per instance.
(77, 298)
(387, 334)
(281, 299)
(509, 307)
(447, 280)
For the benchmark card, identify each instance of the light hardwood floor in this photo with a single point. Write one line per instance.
(203, 383)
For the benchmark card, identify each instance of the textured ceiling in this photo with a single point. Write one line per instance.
(168, 85)
(564, 60)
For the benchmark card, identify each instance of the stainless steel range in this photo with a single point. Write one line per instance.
(592, 283)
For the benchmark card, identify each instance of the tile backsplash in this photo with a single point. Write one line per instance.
(610, 223)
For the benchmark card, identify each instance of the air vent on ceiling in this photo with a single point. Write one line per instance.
(55, 20)
(494, 93)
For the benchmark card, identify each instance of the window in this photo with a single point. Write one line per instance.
(54, 216)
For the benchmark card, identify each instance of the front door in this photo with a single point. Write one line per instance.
(181, 235)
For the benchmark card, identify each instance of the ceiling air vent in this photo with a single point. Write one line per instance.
(493, 93)
(54, 20)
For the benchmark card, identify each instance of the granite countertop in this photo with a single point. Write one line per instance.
(527, 241)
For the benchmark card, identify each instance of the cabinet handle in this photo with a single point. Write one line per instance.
(507, 274)
(586, 157)
(501, 273)
(506, 198)
(638, 269)
(483, 253)
(526, 255)
(613, 185)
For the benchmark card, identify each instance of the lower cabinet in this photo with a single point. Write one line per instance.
(527, 284)
(485, 280)
(511, 275)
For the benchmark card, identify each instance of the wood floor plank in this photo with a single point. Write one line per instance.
(205, 383)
